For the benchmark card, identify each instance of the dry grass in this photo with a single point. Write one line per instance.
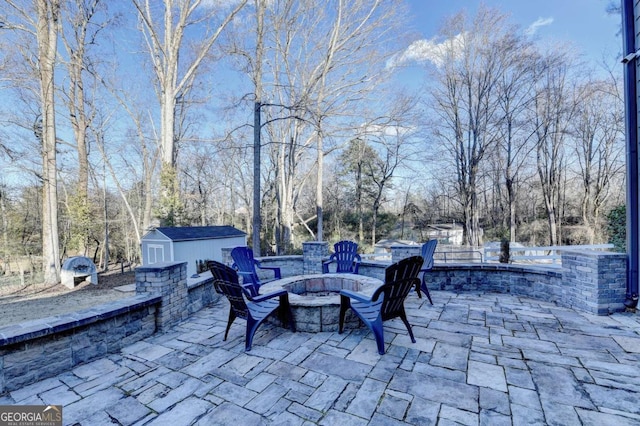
(20, 304)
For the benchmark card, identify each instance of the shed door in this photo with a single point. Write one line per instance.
(155, 253)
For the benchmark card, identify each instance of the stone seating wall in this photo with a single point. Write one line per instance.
(593, 282)
(34, 350)
(590, 281)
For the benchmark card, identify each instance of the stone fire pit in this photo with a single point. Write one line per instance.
(315, 299)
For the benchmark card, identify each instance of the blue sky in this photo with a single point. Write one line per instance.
(582, 22)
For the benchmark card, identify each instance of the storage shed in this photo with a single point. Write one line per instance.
(189, 243)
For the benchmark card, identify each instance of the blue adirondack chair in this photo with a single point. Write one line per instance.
(387, 302)
(428, 249)
(345, 255)
(253, 309)
(246, 264)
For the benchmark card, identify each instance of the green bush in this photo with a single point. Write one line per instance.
(617, 228)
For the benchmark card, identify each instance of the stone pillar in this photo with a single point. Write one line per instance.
(168, 280)
(400, 252)
(313, 252)
(596, 281)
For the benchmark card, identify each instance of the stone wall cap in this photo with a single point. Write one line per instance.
(536, 269)
(29, 330)
(158, 266)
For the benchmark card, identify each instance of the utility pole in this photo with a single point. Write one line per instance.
(256, 178)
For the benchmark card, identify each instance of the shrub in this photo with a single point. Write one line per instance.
(617, 227)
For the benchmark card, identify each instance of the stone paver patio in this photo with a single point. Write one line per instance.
(480, 359)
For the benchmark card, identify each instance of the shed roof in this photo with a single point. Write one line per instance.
(188, 233)
(387, 243)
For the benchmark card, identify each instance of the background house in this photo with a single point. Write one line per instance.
(446, 233)
(189, 243)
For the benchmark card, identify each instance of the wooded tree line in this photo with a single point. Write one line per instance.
(118, 117)
(526, 132)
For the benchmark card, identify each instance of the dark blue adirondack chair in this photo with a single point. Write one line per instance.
(246, 264)
(387, 302)
(428, 249)
(254, 310)
(345, 255)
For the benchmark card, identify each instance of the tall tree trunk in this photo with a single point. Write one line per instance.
(48, 12)
(174, 78)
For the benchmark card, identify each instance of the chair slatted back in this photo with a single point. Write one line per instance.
(245, 263)
(234, 293)
(406, 268)
(243, 259)
(220, 271)
(394, 295)
(226, 283)
(428, 249)
(345, 253)
(400, 278)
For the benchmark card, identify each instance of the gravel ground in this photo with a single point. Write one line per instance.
(34, 303)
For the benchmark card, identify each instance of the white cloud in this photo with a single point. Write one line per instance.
(421, 51)
(383, 131)
(540, 22)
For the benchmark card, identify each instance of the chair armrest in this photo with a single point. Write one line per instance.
(251, 290)
(244, 275)
(326, 263)
(353, 295)
(428, 267)
(263, 297)
(357, 260)
(275, 269)
(247, 290)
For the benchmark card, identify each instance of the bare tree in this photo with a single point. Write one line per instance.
(390, 136)
(382, 171)
(40, 19)
(260, 7)
(515, 95)
(48, 14)
(598, 130)
(141, 153)
(250, 51)
(554, 109)
(322, 61)
(175, 69)
(82, 22)
(468, 76)
(356, 33)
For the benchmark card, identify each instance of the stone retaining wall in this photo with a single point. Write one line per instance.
(590, 281)
(34, 350)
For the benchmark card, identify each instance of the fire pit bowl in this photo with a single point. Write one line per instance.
(315, 299)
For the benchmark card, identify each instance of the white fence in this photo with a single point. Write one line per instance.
(545, 255)
(548, 255)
